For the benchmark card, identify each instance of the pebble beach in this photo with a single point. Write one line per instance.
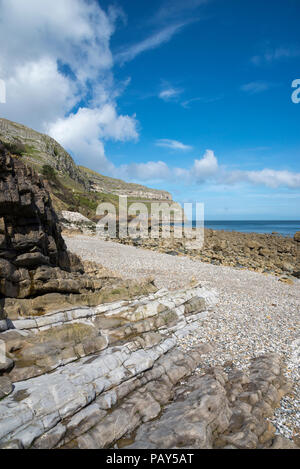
(256, 313)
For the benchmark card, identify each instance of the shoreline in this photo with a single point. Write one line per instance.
(265, 253)
(256, 314)
(235, 226)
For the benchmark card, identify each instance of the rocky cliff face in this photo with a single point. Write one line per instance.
(40, 149)
(29, 232)
(100, 183)
(35, 267)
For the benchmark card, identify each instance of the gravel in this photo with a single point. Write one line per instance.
(256, 313)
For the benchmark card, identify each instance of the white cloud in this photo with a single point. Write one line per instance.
(206, 167)
(208, 100)
(83, 133)
(168, 94)
(272, 178)
(172, 144)
(152, 42)
(57, 55)
(37, 93)
(74, 31)
(255, 87)
(208, 170)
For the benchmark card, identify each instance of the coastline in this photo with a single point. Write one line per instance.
(256, 314)
(286, 228)
(265, 253)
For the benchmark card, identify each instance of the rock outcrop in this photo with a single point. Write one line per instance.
(37, 273)
(266, 253)
(40, 150)
(220, 410)
(29, 232)
(97, 358)
(100, 183)
(74, 221)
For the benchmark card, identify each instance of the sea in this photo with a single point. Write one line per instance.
(284, 228)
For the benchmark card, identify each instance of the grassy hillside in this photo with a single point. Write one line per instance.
(72, 187)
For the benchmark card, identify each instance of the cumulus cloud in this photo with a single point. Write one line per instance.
(206, 167)
(84, 133)
(208, 170)
(56, 56)
(203, 170)
(58, 69)
(172, 144)
(37, 93)
(74, 31)
(267, 177)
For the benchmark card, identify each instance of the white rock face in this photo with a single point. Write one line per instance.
(76, 221)
(74, 217)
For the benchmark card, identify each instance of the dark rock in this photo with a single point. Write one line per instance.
(297, 237)
(31, 260)
(30, 235)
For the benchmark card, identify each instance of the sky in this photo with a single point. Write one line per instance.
(189, 96)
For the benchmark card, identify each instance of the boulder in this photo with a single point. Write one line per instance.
(297, 237)
(29, 228)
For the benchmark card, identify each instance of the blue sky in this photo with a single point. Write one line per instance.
(192, 96)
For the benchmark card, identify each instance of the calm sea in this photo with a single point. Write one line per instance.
(285, 228)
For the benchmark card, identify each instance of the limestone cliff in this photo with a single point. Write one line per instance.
(42, 150)
(72, 187)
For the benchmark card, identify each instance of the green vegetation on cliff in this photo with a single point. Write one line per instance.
(72, 187)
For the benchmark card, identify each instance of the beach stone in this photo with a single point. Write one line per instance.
(194, 305)
(283, 443)
(6, 386)
(6, 364)
(297, 237)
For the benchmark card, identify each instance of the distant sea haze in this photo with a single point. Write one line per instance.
(285, 228)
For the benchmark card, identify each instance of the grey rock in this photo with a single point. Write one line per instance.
(6, 386)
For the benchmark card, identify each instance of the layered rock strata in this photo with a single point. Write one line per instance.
(37, 273)
(221, 410)
(97, 357)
